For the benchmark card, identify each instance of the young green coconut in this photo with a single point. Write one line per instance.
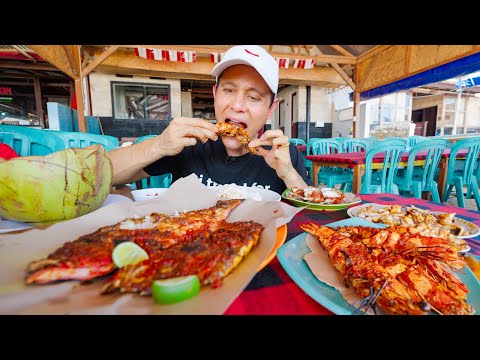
(55, 187)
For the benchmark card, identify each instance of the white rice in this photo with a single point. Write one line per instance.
(233, 191)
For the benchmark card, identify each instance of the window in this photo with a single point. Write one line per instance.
(473, 130)
(141, 101)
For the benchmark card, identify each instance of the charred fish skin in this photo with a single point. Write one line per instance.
(90, 256)
(211, 256)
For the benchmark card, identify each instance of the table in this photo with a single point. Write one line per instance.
(356, 160)
(273, 292)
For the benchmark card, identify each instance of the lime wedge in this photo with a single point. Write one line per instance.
(176, 289)
(128, 253)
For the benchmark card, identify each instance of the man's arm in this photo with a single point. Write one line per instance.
(128, 162)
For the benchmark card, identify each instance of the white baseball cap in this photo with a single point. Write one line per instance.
(252, 55)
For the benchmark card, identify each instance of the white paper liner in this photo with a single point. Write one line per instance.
(320, 265)
(72, 297)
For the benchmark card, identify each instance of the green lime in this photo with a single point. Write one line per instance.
(128, 253)
(176, 289)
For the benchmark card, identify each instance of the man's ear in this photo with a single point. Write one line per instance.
(272, 107)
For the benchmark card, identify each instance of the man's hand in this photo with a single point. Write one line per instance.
(182, 132)
(278, 157)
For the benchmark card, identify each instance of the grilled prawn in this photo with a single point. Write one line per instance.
(359, 268)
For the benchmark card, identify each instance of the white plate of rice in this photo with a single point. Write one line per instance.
(233, 191)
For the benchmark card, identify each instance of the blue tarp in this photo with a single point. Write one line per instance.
(460, 67)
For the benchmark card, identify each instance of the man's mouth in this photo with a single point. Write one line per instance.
(237, 123)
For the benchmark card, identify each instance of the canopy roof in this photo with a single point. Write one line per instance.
(369, 70)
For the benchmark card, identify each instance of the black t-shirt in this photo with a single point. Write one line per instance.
(211, 164)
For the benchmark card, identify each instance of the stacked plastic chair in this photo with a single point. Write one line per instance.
(27, 141)
(82, 139)
(465, 176)
(415, 182)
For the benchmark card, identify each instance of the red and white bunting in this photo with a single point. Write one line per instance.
(283, 62)
(304, 64)
(215, 57)
(166, 55)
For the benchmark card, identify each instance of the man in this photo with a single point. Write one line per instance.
(245, 95)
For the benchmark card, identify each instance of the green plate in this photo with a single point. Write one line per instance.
(352, 199)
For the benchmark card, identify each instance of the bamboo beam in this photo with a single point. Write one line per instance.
(341, 50)
(24, 53)
(68, 49)
(127, 63)
(372, 52)
(207, 50)
(56, 56)
(99, 60)
(37, 66)
(369, 69)
(342, 73)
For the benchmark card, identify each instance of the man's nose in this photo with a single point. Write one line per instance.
(239, 102)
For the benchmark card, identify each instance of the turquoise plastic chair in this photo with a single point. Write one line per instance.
(370, 140)
(156, 181)
(329, 176)
(297, 141)
(465, 176)
(415, 182)
(382, 181)
(412, 140)
(306, 162)
(7, 138)
(354, 145)
(27, 141)
(80, 139)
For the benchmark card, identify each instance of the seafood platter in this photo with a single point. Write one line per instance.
(323, 198)
(429, 223)
(390, 270)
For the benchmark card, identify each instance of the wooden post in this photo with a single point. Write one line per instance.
(82, 123)
(38, 101)
(356, 104)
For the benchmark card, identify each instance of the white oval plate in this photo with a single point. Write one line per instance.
(148, 194)
(7, 225)
(473, 230)
(266, 195)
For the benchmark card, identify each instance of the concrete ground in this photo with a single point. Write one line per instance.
(469, 203)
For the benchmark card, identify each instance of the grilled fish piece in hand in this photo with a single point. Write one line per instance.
(235, 130)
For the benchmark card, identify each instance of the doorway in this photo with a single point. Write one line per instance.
(281, 115)
(425, 121)
(293, 116)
